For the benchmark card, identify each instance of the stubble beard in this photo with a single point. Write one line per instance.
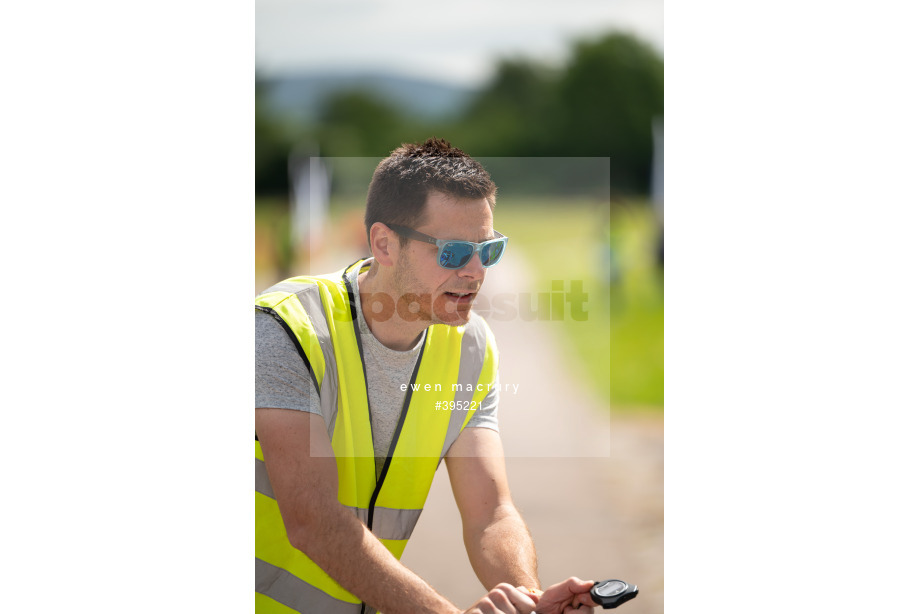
(405, 279)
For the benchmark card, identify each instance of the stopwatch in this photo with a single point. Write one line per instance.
(611, 593)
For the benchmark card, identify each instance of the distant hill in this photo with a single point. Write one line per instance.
(300, 97)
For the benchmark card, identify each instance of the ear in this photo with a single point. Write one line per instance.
(384, 244)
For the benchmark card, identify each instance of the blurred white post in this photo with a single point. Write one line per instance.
(310, 182)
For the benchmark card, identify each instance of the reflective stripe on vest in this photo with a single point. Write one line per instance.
(456, 364)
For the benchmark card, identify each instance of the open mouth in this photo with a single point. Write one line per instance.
(461, 297)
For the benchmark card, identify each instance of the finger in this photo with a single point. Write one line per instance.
(501, 602)
(577, 585)
(508, 600)
(533, 593)
(520, 600)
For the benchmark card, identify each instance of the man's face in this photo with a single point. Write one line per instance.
(424, 288)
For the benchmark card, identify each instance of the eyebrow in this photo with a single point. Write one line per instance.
(427, 238)
(479, 241)
(493, 237)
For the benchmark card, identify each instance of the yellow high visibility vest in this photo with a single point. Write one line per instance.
(456, 364)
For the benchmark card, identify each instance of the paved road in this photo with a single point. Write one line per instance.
(589, 486)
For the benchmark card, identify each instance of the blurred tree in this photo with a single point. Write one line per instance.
(357, 123)
(508, 118)
(602, 102)
(272, 146)
(613, 89)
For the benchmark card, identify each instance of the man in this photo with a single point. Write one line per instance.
(365, 380)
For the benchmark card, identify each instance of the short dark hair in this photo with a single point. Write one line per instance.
(403, 180)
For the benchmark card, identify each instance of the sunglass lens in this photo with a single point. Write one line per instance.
(492, 252)
(455, 255)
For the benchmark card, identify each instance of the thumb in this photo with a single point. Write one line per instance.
(577, 585)
(585, 599)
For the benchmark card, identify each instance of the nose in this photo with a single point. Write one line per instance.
(473, 270)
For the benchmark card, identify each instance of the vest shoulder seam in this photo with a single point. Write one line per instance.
(288, 294)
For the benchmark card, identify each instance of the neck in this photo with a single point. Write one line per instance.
(389, 329)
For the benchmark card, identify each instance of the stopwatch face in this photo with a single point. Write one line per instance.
(611, 588)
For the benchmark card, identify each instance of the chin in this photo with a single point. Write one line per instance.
(458, 318)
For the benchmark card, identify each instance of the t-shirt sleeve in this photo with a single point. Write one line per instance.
(486, 415)
(282, 379)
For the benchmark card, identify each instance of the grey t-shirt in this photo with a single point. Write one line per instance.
(282, 380)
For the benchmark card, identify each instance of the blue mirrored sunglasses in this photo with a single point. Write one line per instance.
(455, 254)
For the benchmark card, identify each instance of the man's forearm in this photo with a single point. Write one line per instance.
(503, 550)
(357, 560)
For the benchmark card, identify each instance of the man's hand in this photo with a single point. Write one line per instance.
(506, 599)
(570, 595)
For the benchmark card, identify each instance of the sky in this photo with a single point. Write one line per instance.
(452, 42)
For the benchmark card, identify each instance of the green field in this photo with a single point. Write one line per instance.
(621, 345)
